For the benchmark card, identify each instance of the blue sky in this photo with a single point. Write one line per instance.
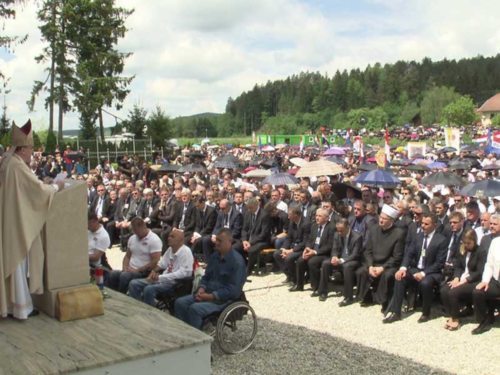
(189, 56)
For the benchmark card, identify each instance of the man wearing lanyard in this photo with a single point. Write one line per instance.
(422, 264)
(456, 226)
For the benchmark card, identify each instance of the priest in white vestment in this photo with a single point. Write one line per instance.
(24, 206)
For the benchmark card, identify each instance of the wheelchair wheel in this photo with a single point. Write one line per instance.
(236, 328)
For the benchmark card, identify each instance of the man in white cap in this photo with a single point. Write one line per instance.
(382, 257)
(25, 206)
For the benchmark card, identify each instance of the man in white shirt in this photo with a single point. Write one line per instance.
(98, 240)
(143, 253)
(175, 264)
(487, 290)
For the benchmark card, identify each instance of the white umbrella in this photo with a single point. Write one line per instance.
(258, 173)
(320, 167)
(299, 162)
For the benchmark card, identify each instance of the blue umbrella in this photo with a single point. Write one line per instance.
(484, 188)
(278, 179)
(436, 165)
(378, 177)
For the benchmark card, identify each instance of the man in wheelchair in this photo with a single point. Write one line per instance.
(222, 283)
(176, 264)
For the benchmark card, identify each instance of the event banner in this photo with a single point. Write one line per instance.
(452, 138)
(416, 149)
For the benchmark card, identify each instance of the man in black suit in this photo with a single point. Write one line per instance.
(443, 226)
(185, 215)
(100, 204)
(256, 233)
(295, 242)
(345, 256)
(308, 209)
(91, 191)
(359, 221)
(494, 231)
(422, 265)
(473, 216)
(228, 217)
(149, 208)
(317, 249)
(382, 257)
(456, 230)
(205, 218)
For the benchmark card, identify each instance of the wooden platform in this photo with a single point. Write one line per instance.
(131, 337)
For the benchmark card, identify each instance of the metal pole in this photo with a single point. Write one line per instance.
(97, 148)
(108, 152)
(133, 143)
(116, 150)
(145, 155)
(162, 152)
(88, 160)
(77, 143)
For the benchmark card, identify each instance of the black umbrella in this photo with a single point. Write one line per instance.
(279, 179)
(471, 147)
(337, 160)
(367, 167)
(447, 149)
(168, 168)
(491, 167)
(417, 167)
(401, 162)
(193, 168)
(228, 162)
(443, 178)
(485, 188)
(269, 163)
(196, 154)
(256, 161)
(340, 190)
(378, 178)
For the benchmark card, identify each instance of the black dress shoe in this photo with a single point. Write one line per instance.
(346, 302)
(482, 328)
(323, 297)
(35, 312)
(423, 318)
(365, 304)
(391, 318)
(296, 288)
(315, 294)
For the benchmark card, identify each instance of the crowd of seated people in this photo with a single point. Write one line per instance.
(396, 248)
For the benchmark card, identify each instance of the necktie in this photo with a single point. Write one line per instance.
(426, 237)
(318, 238)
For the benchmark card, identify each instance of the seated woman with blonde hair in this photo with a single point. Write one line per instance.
(468, 268)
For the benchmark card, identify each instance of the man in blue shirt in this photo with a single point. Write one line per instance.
(222, 283)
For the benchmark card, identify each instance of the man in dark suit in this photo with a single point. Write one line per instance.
(345, 256)
(456, 230)
(122, 206)
(317, 249)
(295, 242)
(358, 222)
(382, 257)
(100, 203)
(473, 216)
(422, 265)
(494, 231)
(443, 226)
(185, 215)
(227, 217)
(308, 209)
(205, 218)
(256, 233)
(149, 208)
(91, 191)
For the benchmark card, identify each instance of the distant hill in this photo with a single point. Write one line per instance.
(198, 115)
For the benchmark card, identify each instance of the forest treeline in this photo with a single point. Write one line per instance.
(393, 94)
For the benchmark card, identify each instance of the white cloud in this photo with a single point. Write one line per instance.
(190, 56)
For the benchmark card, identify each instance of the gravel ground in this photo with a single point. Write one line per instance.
(298, 334)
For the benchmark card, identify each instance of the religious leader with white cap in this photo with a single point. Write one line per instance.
(382, 257)
(24, 207)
